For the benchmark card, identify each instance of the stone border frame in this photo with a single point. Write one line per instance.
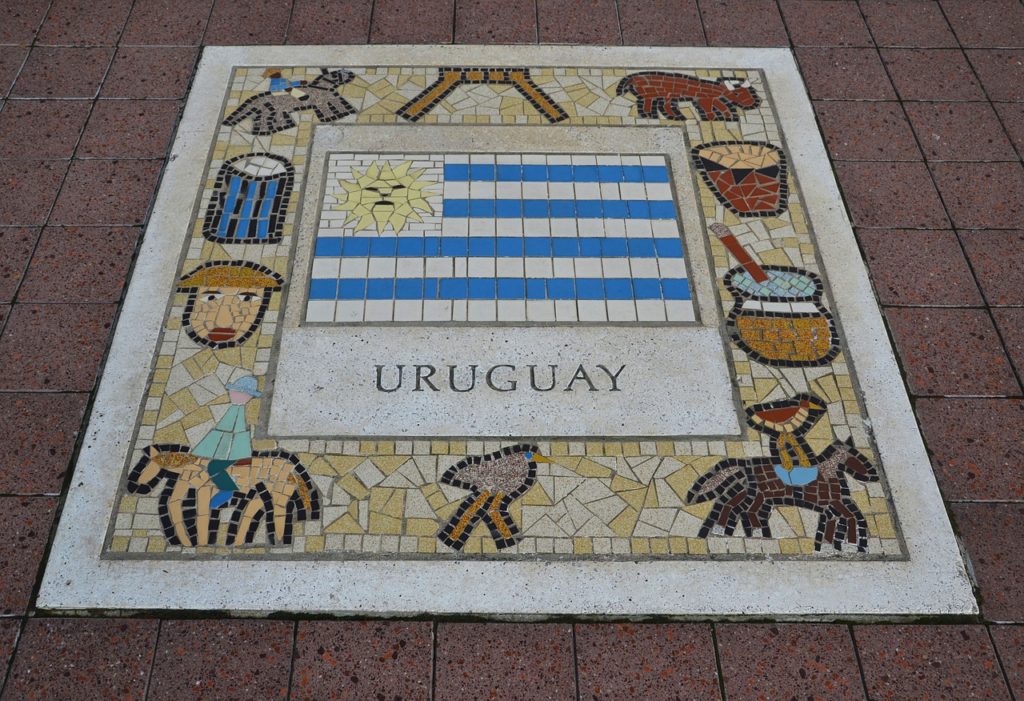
(932, 581)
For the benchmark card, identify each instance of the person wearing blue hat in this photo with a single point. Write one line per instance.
(229, 441)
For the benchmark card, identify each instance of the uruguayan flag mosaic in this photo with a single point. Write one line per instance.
(535, 238)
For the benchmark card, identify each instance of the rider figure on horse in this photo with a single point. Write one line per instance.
(229, 441)
(280, 85)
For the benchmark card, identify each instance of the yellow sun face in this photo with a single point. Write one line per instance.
(384, 195)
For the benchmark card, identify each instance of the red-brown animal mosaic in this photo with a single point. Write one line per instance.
(745, 491)
(659, 92)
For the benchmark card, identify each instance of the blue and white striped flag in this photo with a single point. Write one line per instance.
(498, 238)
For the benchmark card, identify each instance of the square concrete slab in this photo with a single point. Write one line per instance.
(590, 322)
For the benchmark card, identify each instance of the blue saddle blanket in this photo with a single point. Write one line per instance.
(798, 476)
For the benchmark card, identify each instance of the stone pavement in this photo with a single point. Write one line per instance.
(920, 106)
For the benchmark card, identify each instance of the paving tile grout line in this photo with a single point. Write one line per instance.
(152, 659)
(860, 662)
(618, 24)
(575, 662)
(719, 669)
(291, 658)
(433, 660)
(999, 661)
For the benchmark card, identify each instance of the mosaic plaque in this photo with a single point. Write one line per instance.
(588, 323)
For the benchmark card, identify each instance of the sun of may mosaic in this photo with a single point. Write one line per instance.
(501, 311)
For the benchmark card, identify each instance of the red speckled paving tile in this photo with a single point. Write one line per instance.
(5, 312)
(167, 22)
(907, 23)
(129, 129)
(1010, 323)
(975, 446)
(362, 660)
(951, 352)
(79, 264)
(891, 195)
(918, 267)
(743, 23)
(577, 22)
(11, 58)
(36, 184)
(16, 246)
(812, 23)
(932, 74)
(929, 662)
(106, 192)
(19, 20)
(960, 131)
(26, 526)
(1010, 646)
(150, 72)
(988, 23)
(844, 74)
(41, 429)
(625, 661)
(993, 534)
(997, 258)
(788, 661)
(330, 22)
(54, 346)
(84, 22)
(42, 128)
(207, 659)
(62, 72)
(253, 22)
(982, 195)
(1001, 72)
(75, 658)
(504, 660)
(495, 21)
(402, 22)
(867, 131)
(1011, 114)
(660, 23)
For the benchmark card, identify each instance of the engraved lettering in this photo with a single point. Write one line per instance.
(425, 378)
(533, 379)
(451, 378)
(380, 384)
(580, 374)
(614, 378)
(510, 387)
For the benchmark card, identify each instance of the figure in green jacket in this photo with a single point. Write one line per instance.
(229, 441)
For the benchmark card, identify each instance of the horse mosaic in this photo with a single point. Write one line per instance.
(274, 489)
(272, 111)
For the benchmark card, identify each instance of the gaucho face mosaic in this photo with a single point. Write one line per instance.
(226, 301)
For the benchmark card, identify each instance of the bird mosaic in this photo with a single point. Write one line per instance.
(494, 482)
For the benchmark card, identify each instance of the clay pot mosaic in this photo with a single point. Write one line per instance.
(781, 321)
(748, 177)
